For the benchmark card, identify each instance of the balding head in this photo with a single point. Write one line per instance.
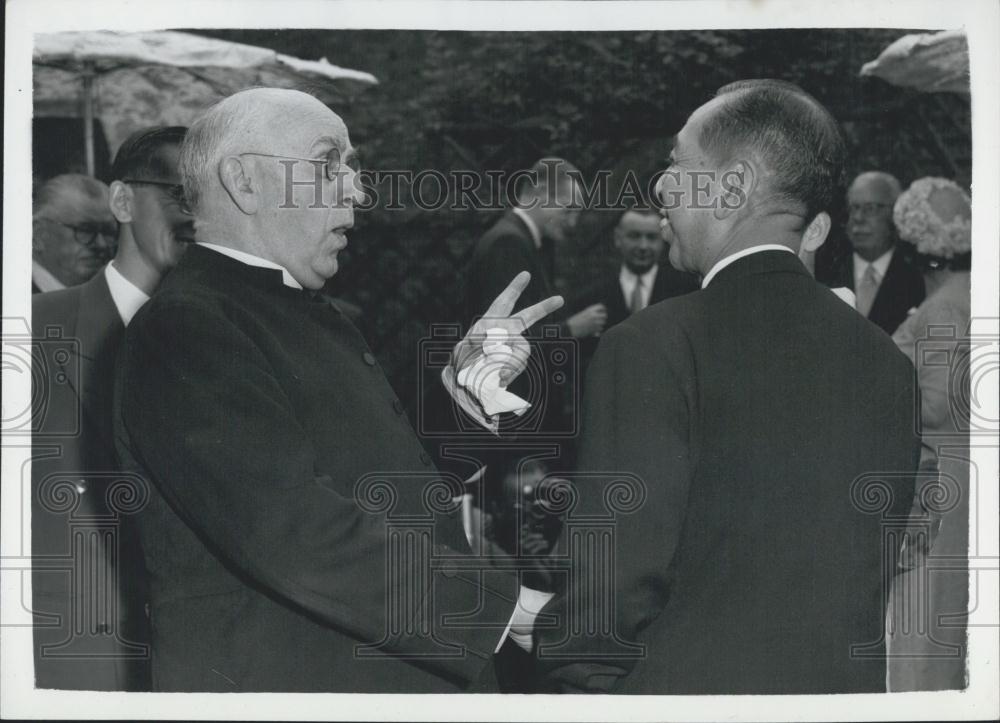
(878, 183)
(253, 172)
(869, 204)
(69, 191)
(251, 120)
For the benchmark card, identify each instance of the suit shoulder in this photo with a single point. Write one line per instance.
(55, 307)
(181, 302)
(503, 233)
(662, 323)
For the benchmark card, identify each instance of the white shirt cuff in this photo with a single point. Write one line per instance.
(529, 604)
(466, 402)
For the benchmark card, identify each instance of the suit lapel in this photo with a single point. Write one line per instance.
(889, 290)
(98, 330)
(540, 274)
(617, 305)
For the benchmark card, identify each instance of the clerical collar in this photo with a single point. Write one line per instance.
(536, 233)
(723, 263)
(251, 260)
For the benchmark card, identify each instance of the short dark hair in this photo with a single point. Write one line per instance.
(552, 171)
(141, 157)
(792, 134)
(640, 208)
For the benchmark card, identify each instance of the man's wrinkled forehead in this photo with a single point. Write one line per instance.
(872, 189)
(302, 128)
(75, 206)
(638, 221)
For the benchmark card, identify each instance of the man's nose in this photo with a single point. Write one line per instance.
(104, 240)
(349, 190)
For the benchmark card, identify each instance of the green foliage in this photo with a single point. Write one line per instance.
(500, 100)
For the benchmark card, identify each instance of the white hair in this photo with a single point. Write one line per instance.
(888, 181)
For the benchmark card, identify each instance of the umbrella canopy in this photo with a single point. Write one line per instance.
(132, 80)
(929, 62)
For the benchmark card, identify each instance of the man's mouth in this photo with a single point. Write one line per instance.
(341, 231)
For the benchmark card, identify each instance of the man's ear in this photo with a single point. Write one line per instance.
(735, 186)
(121, 201)
(816, 232)
(240, 184)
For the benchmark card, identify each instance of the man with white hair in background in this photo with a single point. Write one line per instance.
(280, 458)
(886, 284)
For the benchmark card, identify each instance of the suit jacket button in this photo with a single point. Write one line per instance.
(398, 406)
(369, 358)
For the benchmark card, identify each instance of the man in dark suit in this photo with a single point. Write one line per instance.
(79, 329)
(547, 209)
(524, 239)
(643, 278)
(749, 558)
(72, 232)
(886, 284)
(298, 537)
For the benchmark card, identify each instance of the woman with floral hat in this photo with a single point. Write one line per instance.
(928, 607)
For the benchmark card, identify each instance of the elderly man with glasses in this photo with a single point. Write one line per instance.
(72, 232)
(298, 536)
(886, 284)
(99, 641)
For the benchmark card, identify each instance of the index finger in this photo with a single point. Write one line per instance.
(504, 303)
(535, 313)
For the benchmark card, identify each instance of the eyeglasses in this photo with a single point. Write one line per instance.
(87, 235)
(857, 209)
(174, 190)
(332, 161)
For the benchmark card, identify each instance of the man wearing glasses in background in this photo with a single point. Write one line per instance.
(72, 232)
(74, 459)
(884, 281)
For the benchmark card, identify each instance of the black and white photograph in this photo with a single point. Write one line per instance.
(458, 360)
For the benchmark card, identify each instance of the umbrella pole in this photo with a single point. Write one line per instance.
(88, 120)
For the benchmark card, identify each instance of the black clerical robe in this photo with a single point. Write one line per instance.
(293, 508)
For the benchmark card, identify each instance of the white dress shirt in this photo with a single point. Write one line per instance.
(627, 279)
(536, 233)
(128, 297)
(881, 265)
(724, 262)
(251, 260)
(44, 279)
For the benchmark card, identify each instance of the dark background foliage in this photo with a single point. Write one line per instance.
(501, 100)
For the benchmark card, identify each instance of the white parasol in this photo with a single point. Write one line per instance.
(131, 80)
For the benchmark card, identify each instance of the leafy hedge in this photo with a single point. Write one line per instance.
(500, 100)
